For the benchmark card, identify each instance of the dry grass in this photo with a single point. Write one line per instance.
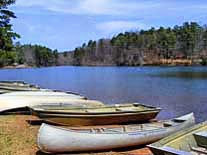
(18, 137)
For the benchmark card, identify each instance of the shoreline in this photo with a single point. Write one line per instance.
(22, 66)
(30, 67)
(160, 63)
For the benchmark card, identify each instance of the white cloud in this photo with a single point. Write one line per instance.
(115, 7)
(96, 7)
(112, 27)
(90, 7)
(112, 7)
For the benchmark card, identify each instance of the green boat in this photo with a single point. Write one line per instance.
(192, 141)
(104, 115)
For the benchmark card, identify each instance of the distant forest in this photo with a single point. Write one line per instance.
(187, 42)
(180, 45)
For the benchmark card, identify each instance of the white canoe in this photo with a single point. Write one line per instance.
(53, 139)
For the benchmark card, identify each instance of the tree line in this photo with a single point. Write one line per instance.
(186, 42)
(35, 55)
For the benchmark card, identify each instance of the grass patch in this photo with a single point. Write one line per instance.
(17, 136)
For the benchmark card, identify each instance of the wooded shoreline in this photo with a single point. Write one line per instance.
(184, 45)
(162, 62)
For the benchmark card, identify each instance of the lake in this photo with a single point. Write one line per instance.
(177, 90)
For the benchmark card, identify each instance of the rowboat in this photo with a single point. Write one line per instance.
(52, 139)
(104, 115)
(9, 86)
(192, 141)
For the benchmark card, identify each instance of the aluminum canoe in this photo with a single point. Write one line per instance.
(52, 139)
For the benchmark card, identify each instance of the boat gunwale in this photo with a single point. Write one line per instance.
(38, 113)
(128, 133)
(92, 115)
(11, 81)
(147, 109)
(176, 135)
(18, 88)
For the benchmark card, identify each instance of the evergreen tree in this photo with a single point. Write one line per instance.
(6, 33)
(7, 57)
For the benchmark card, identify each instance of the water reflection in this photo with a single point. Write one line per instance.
(183, 74)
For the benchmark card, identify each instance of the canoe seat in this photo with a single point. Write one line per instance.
(117, 105)
(167, 124)
(136, 104)
(98, 130)
(118, 109)
(113, 131)
(126, 109)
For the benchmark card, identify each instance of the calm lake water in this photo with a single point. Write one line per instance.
(177, 90)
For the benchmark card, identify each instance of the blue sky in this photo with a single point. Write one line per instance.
(66, 24)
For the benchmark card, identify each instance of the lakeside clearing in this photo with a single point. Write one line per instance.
(17, 136)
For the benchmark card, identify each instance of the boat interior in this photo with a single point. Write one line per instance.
(153, 125)
(103, 109)
(194, 143)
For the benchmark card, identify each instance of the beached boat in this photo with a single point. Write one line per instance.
(104, 115)
(13, 83)
(192, 141)
(41, 93)
(10, 86)
(18, 88)
(15, 86)
(18, 101)
(52, 139)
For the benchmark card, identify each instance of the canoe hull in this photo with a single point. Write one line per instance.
(16, 103)
(88, 120)
(53, 139)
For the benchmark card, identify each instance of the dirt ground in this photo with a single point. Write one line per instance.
(18, 137)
